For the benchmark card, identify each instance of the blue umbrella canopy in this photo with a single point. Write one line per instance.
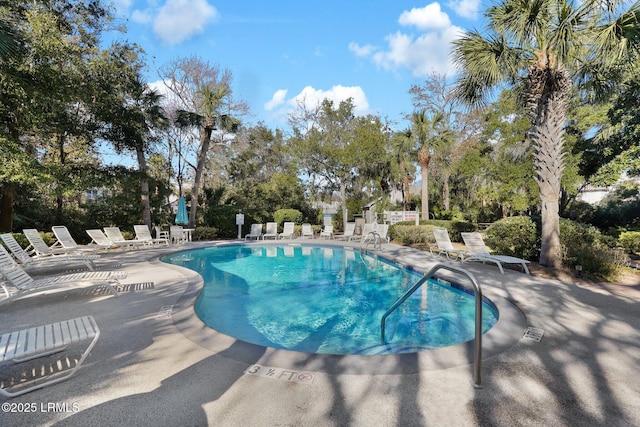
(182, 217)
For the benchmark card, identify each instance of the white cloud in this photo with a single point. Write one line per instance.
(430, 17)
(312, 97)
(422, 53)
(365, 50)
(141, 16)
(426, 53)
(465, 8)
(179, 20)
(276, 100)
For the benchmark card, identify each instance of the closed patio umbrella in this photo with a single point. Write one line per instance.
(182, 217)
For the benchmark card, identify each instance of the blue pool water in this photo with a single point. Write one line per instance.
(326, 300)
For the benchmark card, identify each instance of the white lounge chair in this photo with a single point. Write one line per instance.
(28, 261)
(271, 231)
(368, 232)
(444, 245)
(115, 235)
(327, 231)
(40, 341)
(255, 233)
(40, 248)
(307, 231)
(288, 230)
(348, 232)
(479, 252)
(66, 241)
(15, 276)
(162, 234)
(100, 240)
(144, 235)
(375, 234)
(177, 234)
(383, 232)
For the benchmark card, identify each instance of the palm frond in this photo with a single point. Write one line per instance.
(620, 38)
(188, 119)
(484, 62)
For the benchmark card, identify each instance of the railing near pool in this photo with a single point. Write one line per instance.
(477, 353)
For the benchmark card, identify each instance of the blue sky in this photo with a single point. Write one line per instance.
(283, 51)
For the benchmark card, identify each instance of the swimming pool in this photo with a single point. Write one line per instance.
(326, 300)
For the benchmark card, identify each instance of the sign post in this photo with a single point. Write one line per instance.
(239, 223)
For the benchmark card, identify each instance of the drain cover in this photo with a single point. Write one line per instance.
(165, 312)
(533, 334)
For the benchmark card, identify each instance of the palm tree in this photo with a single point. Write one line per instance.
(429, 132)
(403, 151)
(151, 115)
(543, 47)
(208, 118)
(9, 35)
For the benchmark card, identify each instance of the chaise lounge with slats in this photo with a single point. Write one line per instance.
(14, 275)
(32, 343)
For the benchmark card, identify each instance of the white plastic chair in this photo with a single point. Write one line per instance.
(177, 235)
(307, 231)
(479, 252)
(288, 230)
(271, 231)
(255, 233)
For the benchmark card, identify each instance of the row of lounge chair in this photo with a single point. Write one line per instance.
(43, 340)
(475, 250)
(16, 281)
(370, 231)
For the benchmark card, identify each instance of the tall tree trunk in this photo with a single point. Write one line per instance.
(6, 207)
(407, 193)
(445, 192)
(144, 187)
(547, 133)
(424, 157)
(205, 142)
(63, 160)
(343, 198)
(425, 192)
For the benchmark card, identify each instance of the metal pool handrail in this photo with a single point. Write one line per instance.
(477, 353)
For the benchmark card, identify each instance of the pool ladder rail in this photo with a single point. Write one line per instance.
(477, 353)
(373, 237)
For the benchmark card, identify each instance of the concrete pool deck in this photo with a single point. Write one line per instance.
(156, 363)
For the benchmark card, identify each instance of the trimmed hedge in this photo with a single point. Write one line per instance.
(585, 245)
(630, 241)
(515, 236)
(287, 215)
(410, 234)
(453, 227)
(205, 233)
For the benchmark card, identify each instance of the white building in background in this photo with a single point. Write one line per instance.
(594, 195)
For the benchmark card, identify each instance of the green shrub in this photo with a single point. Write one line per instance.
(48, 237)
(297, 229)
(453, 227)
(586, 246)
(223, 218)
(22, 240)
(287, 215)
(410, 234)
(514, 236)
(630, 241)
(205, 233)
